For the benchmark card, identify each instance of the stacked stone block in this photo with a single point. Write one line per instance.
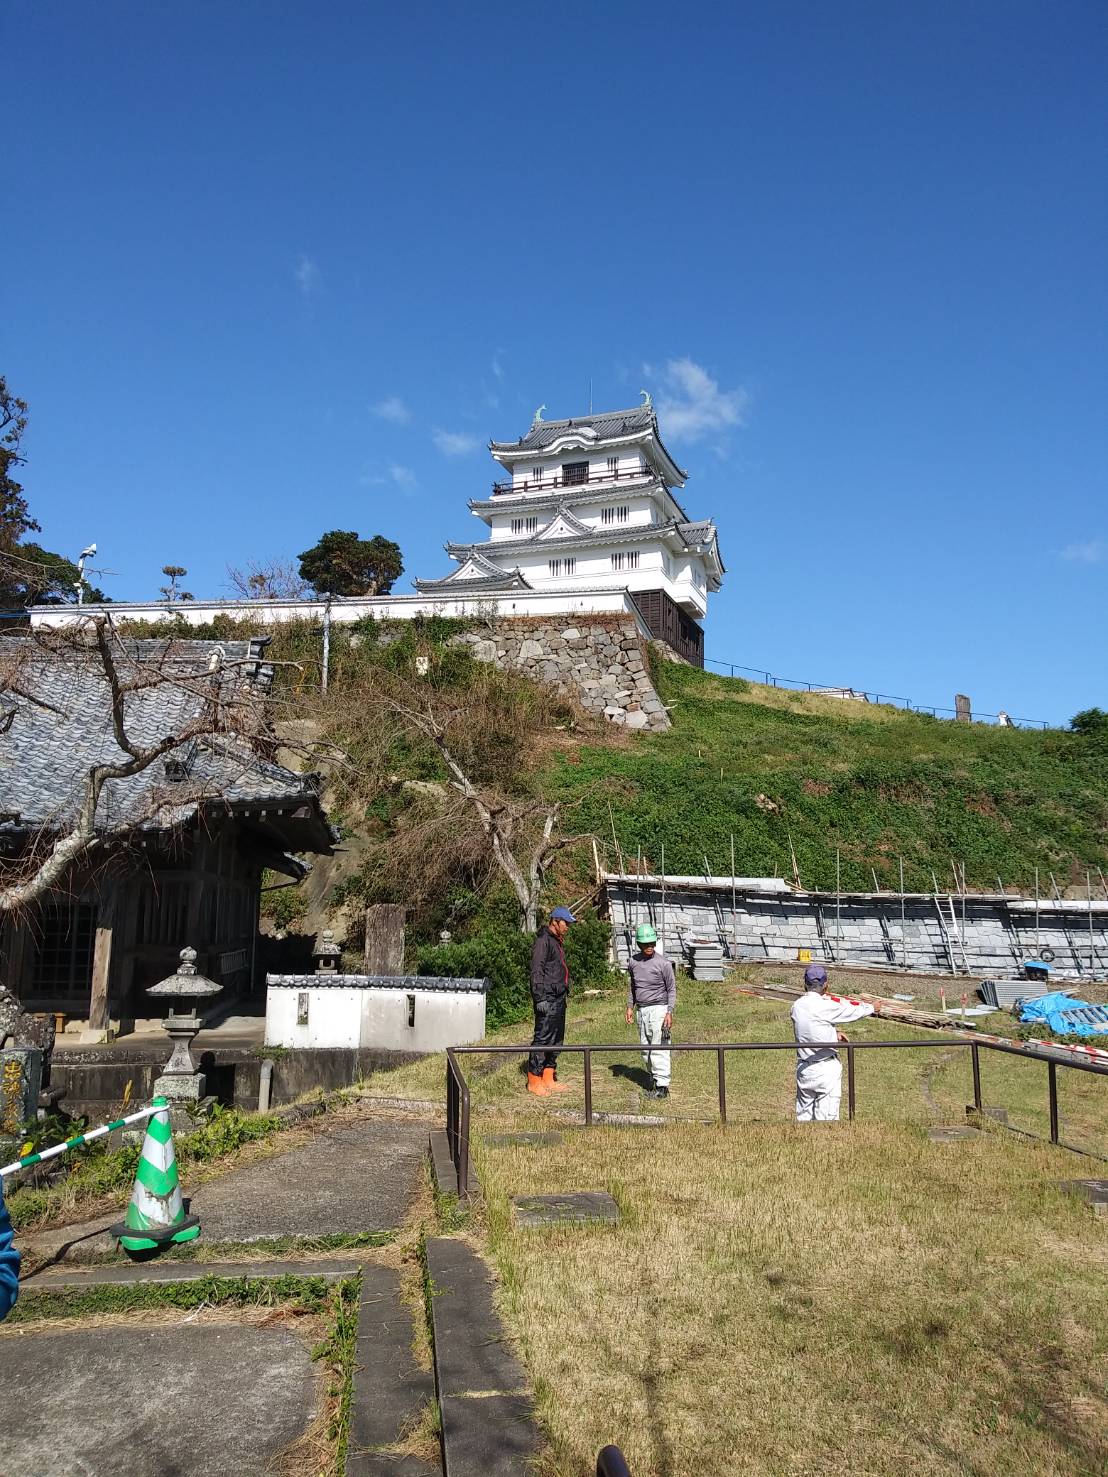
(602, 661)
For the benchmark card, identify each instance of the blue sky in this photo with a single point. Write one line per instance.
(271, 269)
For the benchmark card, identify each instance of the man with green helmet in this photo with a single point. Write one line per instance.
(652, 993)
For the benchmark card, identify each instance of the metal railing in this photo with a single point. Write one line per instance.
(458, 1098)
(610, 1462)
(833, 689)
(532, 484)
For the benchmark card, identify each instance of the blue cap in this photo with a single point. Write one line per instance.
(815, 975)
(564, 914)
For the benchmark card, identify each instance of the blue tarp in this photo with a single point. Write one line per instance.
(1055, 1012)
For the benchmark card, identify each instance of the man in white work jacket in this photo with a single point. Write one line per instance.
(816, 1017)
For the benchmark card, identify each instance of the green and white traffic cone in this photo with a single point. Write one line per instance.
(156, 1215)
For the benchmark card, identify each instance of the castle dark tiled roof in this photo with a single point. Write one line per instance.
(610, 423)
(56, 724)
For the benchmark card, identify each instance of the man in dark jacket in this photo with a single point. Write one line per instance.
(549, 992)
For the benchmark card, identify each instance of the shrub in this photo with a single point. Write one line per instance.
(503, 956)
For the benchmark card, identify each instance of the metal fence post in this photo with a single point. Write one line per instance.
(721, 1073)
(850, 1082)
(975, 1055)
(588, 1088)
(1052, 1087)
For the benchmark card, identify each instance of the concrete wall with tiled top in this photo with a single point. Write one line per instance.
(602, 661)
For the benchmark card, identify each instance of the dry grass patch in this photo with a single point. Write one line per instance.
(781, 1300)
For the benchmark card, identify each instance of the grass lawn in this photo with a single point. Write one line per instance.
(780, 1299)
(784, 1299)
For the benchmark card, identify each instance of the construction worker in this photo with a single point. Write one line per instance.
(652, 992)
(819, 1073)
(9, 1261)
(549, 993)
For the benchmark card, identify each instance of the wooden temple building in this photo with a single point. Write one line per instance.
(180, 845)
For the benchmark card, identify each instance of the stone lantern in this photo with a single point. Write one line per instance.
(182, 1082)
(327, 954)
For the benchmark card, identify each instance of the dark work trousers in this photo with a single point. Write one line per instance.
(550, 1030)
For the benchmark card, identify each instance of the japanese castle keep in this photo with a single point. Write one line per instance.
(586, 523)
(589, 507)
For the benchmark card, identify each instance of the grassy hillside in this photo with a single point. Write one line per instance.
(760, 763)
(878, 782)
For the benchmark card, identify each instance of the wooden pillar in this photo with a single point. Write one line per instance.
(17, 957)
(384, 938)
(98, 1011)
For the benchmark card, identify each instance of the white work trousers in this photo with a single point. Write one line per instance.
(819, 1090)
(650, 1033)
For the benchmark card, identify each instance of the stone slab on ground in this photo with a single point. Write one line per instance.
(356, 1178)
(390, 1390)
(488, 1436)
(389, 1464)
(161, 1272)
(442, 1166)
(152, 1402)
(952, 1133)
(472, 1355)
(1095, 1192)
(573, 1208)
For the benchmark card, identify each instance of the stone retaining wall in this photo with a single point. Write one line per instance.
(601, 660)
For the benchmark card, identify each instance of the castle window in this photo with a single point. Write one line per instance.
(574, 473)
(613, 466)
(628, 559)
(536, 474)
(559, 567)
(615, 515)
(524, 525)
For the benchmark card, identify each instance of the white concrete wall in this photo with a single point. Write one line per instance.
(539, 603)
(370, 1016)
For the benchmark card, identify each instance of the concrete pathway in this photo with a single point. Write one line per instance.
(351, 1178)
(159, 1402)
(360, 1177)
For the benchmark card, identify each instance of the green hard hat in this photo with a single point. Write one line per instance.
(644, 934)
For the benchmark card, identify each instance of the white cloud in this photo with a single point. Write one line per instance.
(497, 366)
(392, 408)
(455, 443)
(403, 476)
(690, 402)
(1093, 551)
(307, 275)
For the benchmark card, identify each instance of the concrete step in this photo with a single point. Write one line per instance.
(128, 1274)
(488, 1427)
(390, 1390)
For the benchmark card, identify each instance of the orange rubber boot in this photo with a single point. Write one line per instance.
(536, 1085)
(549, 1083)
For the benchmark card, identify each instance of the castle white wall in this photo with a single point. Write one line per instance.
(541, 604)
(523, 474)
(642, 510)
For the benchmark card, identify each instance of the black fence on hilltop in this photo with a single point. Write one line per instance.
(857, 694)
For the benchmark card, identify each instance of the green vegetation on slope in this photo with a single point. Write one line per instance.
(878, 782)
